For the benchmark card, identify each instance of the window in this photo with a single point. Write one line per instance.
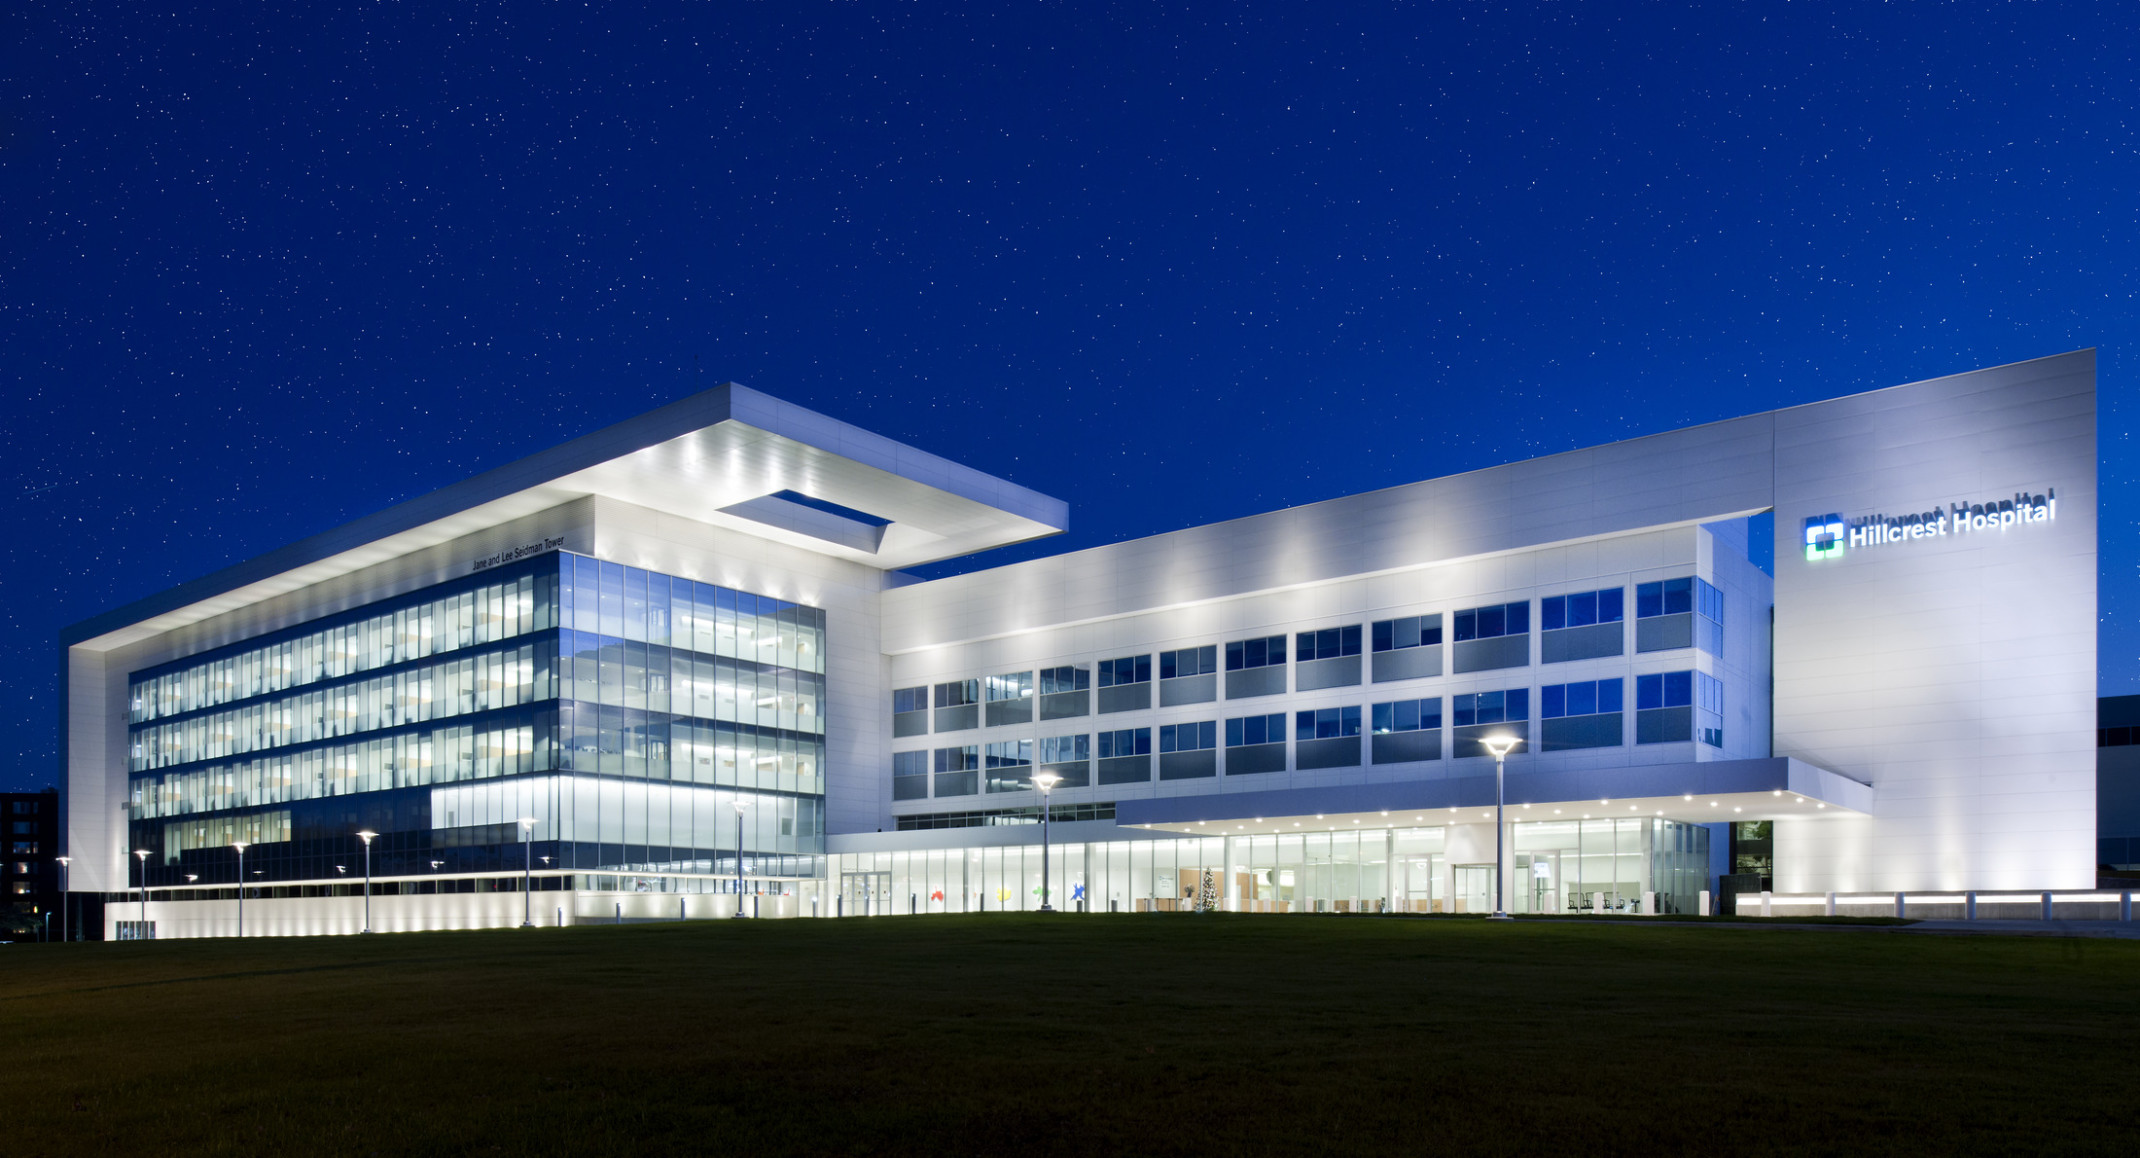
(1329, 643)
(1054, 680)
(958, 693)
(1411, 631)
(910, 700)
(1671, 689)
(26, 808)
(1010, 766)
(1708, 618)
(1709, 709)
(1126, 742)
(1408, 716)
(1493, 622)
(1188, 661)
(1505, 707)
(1016, 686)
(1065, 749)
(24, 848)
(1256, 730)
(1582, 609)
(1189, 737)
(958, 771)
(1248, 653)
(1010, 754)
(1589, 698)
(1326, 723)
(910, 775)
(1130, 669)
(1668, 597)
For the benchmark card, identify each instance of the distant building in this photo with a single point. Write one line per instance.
(677, 666)
(29, 877)
(2117, 783)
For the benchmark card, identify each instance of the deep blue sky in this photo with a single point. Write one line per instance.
(264, 269)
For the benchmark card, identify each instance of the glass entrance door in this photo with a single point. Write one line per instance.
(865, 894)
(1539, 891)
(1474, 888)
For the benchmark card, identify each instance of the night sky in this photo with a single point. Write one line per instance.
(268, 268)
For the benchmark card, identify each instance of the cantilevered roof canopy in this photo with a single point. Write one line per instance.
(1697, 792)
(730, 456)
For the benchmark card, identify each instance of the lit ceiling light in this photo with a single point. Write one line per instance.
(1736, 808)
(1688, 796)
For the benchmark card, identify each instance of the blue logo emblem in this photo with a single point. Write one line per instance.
(1824, 537)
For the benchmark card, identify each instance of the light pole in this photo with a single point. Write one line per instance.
(366, 836)
(142, 855)
(527, 872)
(1499, 746)
(741, 804)
(241, 847)
(1046, 782)
(64, 861)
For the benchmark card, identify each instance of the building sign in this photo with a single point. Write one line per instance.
(523, 551)
(1826, 536)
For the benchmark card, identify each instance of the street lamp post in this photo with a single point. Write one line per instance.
(142, 855)
(241, 847)
(1046, 782)
(1499, 746)
(64, 861)
(527, 872)
(741, 804)
(366, 836)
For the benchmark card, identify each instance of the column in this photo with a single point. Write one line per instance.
(1233, 885)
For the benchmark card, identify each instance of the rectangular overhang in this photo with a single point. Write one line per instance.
(1697, 792)
(728, 457)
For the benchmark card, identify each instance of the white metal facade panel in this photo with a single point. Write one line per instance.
(1956, 674)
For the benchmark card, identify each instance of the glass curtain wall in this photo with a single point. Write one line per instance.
(613, 676)
(1571, 867)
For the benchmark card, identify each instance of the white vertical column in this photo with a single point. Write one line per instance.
(1232, 891)
(1391, 878)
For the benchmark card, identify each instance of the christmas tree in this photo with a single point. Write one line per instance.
(1207, 895)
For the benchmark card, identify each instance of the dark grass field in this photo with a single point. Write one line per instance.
(1001, 1035)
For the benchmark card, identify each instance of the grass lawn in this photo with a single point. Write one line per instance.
(1000, 1034)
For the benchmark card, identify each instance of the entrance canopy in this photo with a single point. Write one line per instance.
(1696, 792)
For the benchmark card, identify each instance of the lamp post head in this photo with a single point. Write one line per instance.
(1500, 745)
(741, 805)
(366, 836)
(64, 861)
(241, 846)
(142, 853)
(528, 822)
(1046, 782)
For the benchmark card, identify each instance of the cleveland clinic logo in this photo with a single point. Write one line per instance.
(1824, 537)
(1827, 535)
